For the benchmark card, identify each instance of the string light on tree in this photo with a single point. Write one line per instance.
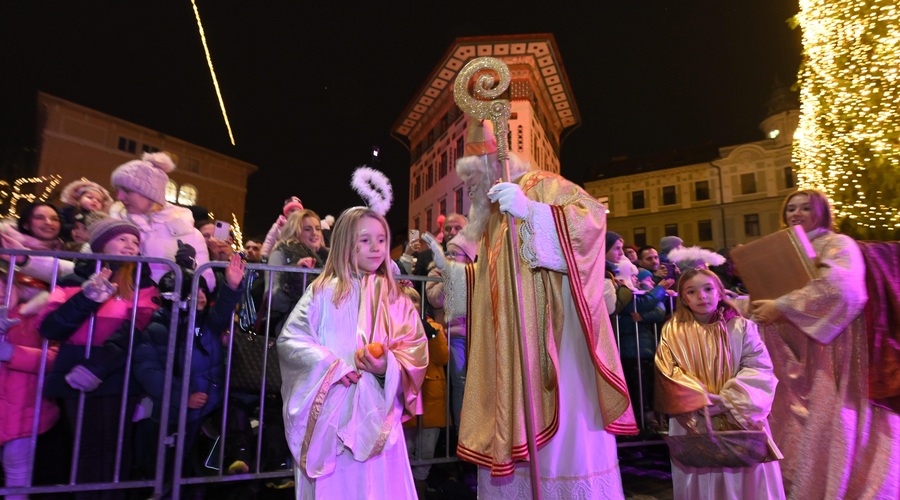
(848, 139)
(238, 235)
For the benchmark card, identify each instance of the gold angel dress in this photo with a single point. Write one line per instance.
(347, 442)
(728, 358)
(837, 443)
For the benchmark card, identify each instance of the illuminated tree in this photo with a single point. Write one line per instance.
(848, 140)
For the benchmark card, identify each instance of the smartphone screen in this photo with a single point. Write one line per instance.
(413, 234)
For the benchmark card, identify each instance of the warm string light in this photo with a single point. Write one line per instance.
(15, 193)
(238, 236)
(848, 139)
(212, 71)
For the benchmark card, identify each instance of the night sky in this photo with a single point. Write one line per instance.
(310, 87)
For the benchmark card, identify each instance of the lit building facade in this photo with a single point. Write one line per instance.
(731, 199)
(75, 141)
(433, 128)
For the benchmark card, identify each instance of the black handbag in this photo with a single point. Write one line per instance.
(249, 350)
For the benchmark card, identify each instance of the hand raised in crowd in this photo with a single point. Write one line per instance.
(98, 288)
(306, 263)
(186, 255)
(281, 221)
(511, 199)
(197, 399)
(366, 362)
(666, 283)
(413, 247)
(219, 250)
(440, 261)
(350, 378)
(234, 272)
(82, 379)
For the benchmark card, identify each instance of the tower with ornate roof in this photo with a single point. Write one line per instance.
(433, 128)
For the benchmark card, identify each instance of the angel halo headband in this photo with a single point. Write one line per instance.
(374, 187)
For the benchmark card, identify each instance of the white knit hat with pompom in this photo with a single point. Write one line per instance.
(146, 176)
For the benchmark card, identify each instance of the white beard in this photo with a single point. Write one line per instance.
(488, 168)
(479, 213)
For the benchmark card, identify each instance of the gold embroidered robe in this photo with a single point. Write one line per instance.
(837, 443)
(492, 431)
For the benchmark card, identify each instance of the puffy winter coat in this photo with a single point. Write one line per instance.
(160, 232)
(19, 375)
(66, 319)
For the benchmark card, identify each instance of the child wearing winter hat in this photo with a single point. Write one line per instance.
(86, 195)
(141, 194)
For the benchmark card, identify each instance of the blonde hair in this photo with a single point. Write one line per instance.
(819, 207)
(340, 265)
(683, 312)
(293, 227)
(412, 294)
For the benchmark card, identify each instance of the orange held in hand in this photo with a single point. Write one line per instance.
(375, 349)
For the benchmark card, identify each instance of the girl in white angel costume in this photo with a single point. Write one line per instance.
(343, 405)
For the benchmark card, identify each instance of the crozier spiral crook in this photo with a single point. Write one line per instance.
(484, 103)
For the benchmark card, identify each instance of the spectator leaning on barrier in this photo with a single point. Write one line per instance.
(141, 194)
(107, 295)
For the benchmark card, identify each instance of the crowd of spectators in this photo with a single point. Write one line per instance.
(103, 309)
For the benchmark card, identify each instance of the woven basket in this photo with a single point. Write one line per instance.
(719, 448)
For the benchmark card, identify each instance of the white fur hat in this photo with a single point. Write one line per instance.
(73, 191)
(147, 176)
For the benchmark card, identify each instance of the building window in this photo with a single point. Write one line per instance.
(669, 195)
(444, 162)
(460, 147)
(751, 225)
(789, 177)
(442, 206)
(127, 145)
(146, 148)
(416, 223)
(604, 200)
(171, 191)
(637, 200)
(458, 194)
(748, 183)
(704, 230)
(671, 230)
(187, 195)
(640, 236)
(429, 177)
(428, 221)
(701, 190)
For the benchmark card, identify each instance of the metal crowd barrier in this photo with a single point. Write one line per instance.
(170, 474)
